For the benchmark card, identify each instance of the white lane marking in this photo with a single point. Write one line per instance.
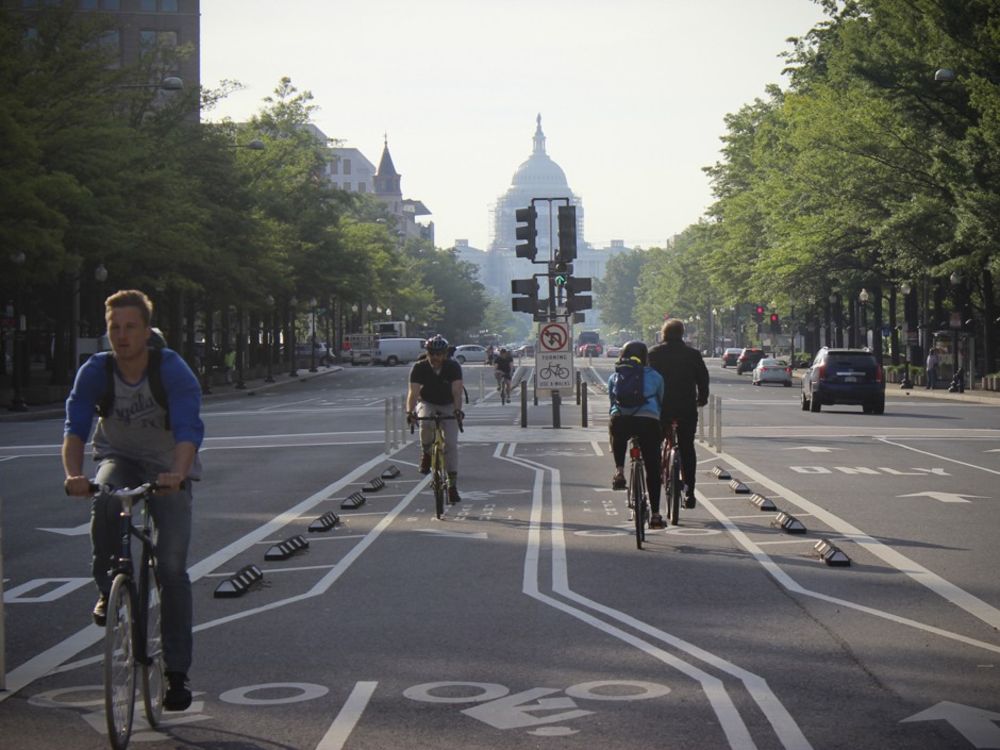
(455, 534)
(80, 530)
(729, 718)
(945, 589)
(49, 660)
(597, 448)
(348, 717)
(945, 497)
(887, 441)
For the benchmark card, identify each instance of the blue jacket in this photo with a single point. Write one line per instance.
(652, 390)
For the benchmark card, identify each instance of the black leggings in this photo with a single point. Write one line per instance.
(621, 428)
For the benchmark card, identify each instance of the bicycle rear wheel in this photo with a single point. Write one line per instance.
(637, 491)
(150, 632)
(674, 488)
(119, 663)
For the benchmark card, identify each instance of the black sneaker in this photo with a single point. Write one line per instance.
(656, 522)
(453, 496)
(101, 610)
(690, 502)
(425, 463)
(178, 696)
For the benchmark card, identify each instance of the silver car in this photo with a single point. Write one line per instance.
(770, 370)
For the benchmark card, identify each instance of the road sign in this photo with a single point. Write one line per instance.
(554, 357)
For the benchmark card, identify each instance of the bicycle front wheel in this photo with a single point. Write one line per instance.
(150, 634)
(437, 464)
(119, 663)
(674, 488)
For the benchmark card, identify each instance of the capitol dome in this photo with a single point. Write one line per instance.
(539, 171)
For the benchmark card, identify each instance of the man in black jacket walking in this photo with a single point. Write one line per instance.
(685, 388)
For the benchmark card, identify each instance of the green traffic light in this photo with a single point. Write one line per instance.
(560, 280)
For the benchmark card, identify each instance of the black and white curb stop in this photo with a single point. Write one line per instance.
(788, 523)
(374, 485)
(324, 522)
(391, 473)
(831, 554)
(721, 473)
(762, 503)
(240, 583)
(284, 550)
(739, 488)
(352, 501)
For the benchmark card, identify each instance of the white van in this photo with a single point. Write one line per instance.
(397, 351)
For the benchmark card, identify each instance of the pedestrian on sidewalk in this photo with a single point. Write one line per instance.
(932, 365)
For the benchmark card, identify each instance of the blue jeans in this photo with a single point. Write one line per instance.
(172, 516)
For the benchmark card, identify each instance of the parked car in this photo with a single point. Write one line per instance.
(730, 356)
(470, 353)
(525, 350)
(844, 376)
(748, 359)
(770, 370)
(302, 352)
(613, 351)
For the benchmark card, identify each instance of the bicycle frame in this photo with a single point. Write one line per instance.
(671, 470)
(438, 468)
(638, 499)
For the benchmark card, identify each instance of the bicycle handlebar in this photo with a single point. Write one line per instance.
(137, 491)
(436, 418)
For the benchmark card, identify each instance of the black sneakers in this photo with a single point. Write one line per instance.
(178, 696)
(453, 496)
(101, 610)
(690, 502)
(656, 522)
(425, 463)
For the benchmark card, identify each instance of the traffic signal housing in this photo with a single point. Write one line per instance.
(775, 323)
(567, 234)
(575, 301)
(527, 303)
(526, 232)
(758, 313)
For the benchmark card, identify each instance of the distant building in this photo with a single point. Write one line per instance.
(388, 190)
(537, 177)
(142, 27)
(348, 169)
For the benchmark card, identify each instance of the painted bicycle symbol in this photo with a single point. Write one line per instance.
(554, 371)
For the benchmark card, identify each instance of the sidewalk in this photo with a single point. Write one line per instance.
(253, 387)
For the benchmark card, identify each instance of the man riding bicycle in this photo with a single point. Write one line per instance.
(503, 368)
(638, 417)
(139, 438)
(436, 388)
(685, 380)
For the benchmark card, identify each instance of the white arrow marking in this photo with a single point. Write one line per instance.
(455, 534)
(945, 497)
(975, 724)
(83, 528)
(512, 711)
(812, 449)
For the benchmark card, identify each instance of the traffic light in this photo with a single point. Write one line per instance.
(526, 304)
(775, 323)
(758, 313)
(575, 301)
(567, 234)
(525, 230)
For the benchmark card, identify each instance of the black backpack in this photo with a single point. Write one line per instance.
(106, 404)
(629, 387)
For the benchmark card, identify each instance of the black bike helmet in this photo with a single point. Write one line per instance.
(436, 344)
(635, 349)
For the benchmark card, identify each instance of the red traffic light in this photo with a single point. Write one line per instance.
(760, 309)
(774, 317)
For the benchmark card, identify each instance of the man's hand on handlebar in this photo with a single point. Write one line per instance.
(78, 486)
(168, 482)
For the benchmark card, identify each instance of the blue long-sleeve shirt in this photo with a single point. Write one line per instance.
(135, 427)
(652, 389)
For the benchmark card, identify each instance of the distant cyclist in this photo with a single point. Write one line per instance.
(503, 368)
(635, 412)
(436, 388)
(685, 380)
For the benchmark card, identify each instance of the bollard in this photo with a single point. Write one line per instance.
(583, 406)
(534, 384)
(482, 384)
(388, 427)
(578, 380)
(395, 421)
(711, 421)
(701, 425)
(718, 424)
(524, 404)
(556, 403)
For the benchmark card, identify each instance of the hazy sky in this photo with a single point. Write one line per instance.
(632, 93)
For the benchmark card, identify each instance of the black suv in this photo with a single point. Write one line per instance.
(844, 376)
(748, 359)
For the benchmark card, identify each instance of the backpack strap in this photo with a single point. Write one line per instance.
(154, 373)
(107, 400)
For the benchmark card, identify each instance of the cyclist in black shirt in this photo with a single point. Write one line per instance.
(436, 388)
(685, 381)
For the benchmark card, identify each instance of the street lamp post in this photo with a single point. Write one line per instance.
(312, 348)
(240, 348)
(958, 377)
(268, 343)
(292, 303)
(863, 298)
(905, 288)
(17, 402)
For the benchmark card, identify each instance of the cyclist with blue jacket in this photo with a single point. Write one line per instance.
(641, 421)
(137, 439)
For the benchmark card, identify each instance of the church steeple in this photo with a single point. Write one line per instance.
(387, 180)
(539, 136)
